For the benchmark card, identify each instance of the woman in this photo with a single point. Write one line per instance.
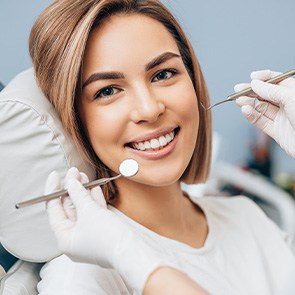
(126, 83)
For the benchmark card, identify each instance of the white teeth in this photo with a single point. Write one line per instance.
(162, 141)
(154, 143)
(141, 146)
(168, 138)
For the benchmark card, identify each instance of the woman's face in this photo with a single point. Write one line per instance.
(138, 100)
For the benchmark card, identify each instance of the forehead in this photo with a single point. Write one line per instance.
(127, 38)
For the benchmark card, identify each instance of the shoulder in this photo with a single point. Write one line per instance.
(228, 203)
(79, 278)
(239, 210)
(233, 209)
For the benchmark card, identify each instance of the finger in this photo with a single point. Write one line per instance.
(98, 197)
(54, 207)
(52, 183)
(277, 94)
(268, 74)
(241, 86)
(79, 195)
(95, 193)
(259, 120)
(73, 172)
(251, 101)
(69, 208)
(263, 75)
(267, 109)
(56, 213)
(83, 178)
(68, 204)
(245, 100)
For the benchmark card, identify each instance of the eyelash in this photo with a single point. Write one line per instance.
(173, 72)
(98, 95)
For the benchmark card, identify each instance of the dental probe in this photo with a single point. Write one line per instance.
(127, 168)
(249, 90)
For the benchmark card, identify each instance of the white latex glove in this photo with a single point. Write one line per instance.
(67, 203)
(96, 235)
(275, 113)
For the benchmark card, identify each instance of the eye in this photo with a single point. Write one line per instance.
(164, 75)
(107, 92)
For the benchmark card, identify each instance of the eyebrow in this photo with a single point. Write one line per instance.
(160, 59)
(103, 76)
(118, 75)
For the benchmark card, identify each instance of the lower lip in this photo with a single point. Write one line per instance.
(157, 154)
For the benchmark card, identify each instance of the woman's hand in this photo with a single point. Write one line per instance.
(273, 110)
(87, 231)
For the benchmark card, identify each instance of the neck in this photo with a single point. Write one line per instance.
(164, 210)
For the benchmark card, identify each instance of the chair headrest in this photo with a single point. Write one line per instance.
(33, 143)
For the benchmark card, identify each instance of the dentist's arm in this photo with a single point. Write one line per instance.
(87, 231)
(274, 110)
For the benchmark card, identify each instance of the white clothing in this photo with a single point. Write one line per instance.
(62, 276)
(244, 253)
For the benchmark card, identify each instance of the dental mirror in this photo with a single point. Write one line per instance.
(127, 168)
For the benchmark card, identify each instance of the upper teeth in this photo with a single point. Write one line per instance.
(154, 143)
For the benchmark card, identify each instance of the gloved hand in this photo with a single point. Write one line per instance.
(273, 110)
(96, 235)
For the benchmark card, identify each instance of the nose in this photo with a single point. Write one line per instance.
(148, 107)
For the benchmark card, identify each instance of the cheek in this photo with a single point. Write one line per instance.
(186, 103)
(188, 109)
(101, 127)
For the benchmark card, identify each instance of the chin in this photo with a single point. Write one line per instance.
(160, 179)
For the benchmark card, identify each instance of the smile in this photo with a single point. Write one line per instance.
(156, 143)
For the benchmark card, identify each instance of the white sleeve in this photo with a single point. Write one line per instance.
(64, 277)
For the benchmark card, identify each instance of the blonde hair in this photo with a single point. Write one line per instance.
(57, 43)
